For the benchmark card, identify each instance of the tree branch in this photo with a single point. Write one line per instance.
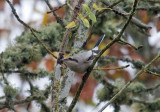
(86, 75)
(147, 102)
(53, 10)
(58, 71)
(134, 20)
(28, 99)
(153, 73)
(152, 1)
(151, 8)
(136, 63)
(125, 87)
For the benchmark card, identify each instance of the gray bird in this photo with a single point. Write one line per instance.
(80, 62)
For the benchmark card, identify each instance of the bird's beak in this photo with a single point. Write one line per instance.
(61, 60)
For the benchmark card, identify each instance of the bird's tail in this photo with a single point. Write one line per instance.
(99, 41)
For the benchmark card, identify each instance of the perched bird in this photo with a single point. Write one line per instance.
(80, 62)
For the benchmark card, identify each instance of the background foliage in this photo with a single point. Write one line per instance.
(26, 61)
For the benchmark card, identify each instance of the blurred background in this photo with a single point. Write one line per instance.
(34, 13)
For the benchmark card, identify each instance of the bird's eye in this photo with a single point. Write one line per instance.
(72, 59)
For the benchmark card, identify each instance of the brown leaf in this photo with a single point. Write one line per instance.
(60, 13)
(88, 90)
(148, 77)
(4, 30)
(119, 74)
(158, 24)
(2, 2)
(4, 110)
(33, 65)
(50, 64)
(114, 74)
(134, 55)
(115, 50)
(144, 16)
(16, 2)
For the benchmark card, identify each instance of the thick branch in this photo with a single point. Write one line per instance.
(86, 75)
(58, 72)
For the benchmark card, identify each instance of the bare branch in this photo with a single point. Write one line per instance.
(153, 73)
(115, 68)
(56, 9)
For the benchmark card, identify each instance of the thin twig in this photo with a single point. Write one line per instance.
(53, 10)
(116, 68)
(114, 4)
(68, 5)
(122, 41)
(136, 63)
(59, 20)
(153, 73)
(125, 42)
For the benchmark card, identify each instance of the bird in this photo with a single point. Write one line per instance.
(80, 62)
